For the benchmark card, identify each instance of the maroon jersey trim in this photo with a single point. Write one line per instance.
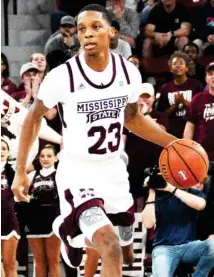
(125, 70)
(89, 81)
(71, 76)
(61, 114)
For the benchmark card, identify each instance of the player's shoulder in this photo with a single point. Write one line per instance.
(132, 70)
(57, 70)
(60, 70)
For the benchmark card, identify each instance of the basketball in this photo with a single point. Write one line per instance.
(183, 163)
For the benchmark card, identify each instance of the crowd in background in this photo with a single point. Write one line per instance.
(179, 99)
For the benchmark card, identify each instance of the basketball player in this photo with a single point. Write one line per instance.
(95, 101)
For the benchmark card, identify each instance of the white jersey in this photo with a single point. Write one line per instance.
(91, 105)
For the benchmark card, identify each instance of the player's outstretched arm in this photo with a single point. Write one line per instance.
(29, 133)
(145, 127)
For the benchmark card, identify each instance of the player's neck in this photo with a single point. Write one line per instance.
(98, 62)
(180, 80)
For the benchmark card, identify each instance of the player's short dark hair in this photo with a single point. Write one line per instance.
(97, 8)
(179, 54)
(116, 25)
(192, 44)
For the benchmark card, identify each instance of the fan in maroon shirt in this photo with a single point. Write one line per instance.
(177, 94)
(200, 116)
(6, 84)
(200, 127)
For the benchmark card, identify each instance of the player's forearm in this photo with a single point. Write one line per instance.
(146, 128)
(191, 200)
(29, 133)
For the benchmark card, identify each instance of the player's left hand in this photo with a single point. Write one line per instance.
(20, 187)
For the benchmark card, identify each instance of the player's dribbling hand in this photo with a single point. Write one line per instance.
(20, 187)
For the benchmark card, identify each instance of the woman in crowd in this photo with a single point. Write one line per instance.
(9, 223)
(40, 214)
(6, 84)
(40, 60)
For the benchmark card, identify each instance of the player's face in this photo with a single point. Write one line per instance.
(94, 32)
(40, 60)
(4, 151)
(210, 79)
(178, 67)
(191, 51)
(47, 158)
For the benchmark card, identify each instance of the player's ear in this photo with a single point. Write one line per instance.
(111, 32)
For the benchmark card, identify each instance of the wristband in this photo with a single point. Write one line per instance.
(146, 113)
(174, 191)
(151, 202)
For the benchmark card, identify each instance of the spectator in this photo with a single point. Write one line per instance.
(55, 58)
(118, 45)
(6, 84)
(149, 4)
(9, 224)
(131, 4)
(65, 39)
(29, 87)
(128, 20)
(177, 94)
(204, 26)
(40, 60)
(30, 82)
(142, 153)
(66, 7)
(200, 127)
(168, 26)
(135, 60)
(195, 70)
(174, 212)
(40, 214)
(192, 3)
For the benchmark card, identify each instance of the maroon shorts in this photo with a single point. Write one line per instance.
(70, 225)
